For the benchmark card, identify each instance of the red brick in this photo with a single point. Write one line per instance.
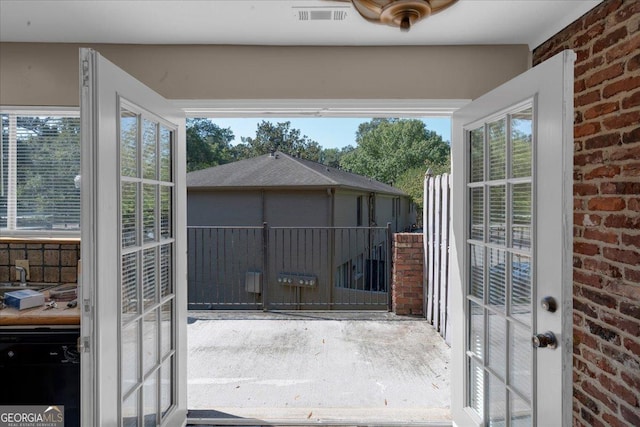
(632, 153)
(623, 49)
(590, 34)
(599, 297)
(632, 381)
(632, 275)
(586, 129)
(602, 141)
(584, 368)
(632, 169)
(599, 395)
(613, 421)
(620, 188)
(601, 236)
(602, 11)
(609, 39)
(634, 63)
(582, 338)
(622, 120)
(625, 256)
(631, 327)
(602, 267)
(585, 189)
(611, 72)
(579, 86)
(587, 220)
(586, 401)
(599, 361)
(633, 205)
(631, 240)
(633, 346)
(606, 204)
(617, 389)
(601, 110)
(622, 356)
(606, 171)
(630, 415)
(626, 84)
(627, 10)
(631, 136)
(620, 288)
(632, 100)
(585, 248)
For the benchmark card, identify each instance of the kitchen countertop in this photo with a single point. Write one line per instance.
(61, 315)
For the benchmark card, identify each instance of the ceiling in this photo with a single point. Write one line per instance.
(277, 22)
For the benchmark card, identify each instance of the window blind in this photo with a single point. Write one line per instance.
(39, 173)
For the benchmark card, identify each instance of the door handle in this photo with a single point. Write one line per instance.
(547, 339)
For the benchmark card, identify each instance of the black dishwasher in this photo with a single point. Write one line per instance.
(41, 367)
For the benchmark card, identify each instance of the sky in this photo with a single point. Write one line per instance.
(327, 131)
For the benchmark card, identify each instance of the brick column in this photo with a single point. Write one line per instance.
(406, 281)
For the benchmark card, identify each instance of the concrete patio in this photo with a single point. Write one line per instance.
(296, 368)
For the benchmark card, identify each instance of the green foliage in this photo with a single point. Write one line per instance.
(331, 156)
(411, 181)
(207, 144)
(389, 147)
(278, 137)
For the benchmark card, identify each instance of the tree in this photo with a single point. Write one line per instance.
(411, 182)
(207, 144)
(331, 156)
(389, 147)
(278, 137)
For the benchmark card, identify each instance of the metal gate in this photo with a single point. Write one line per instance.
(271, 268)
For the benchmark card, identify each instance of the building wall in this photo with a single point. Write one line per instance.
(606, 279)
(225, 208)
(47, 73)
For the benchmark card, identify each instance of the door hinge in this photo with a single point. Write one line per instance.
(85, 73)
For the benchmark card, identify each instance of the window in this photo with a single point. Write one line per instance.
(359, 211)
(39, 172)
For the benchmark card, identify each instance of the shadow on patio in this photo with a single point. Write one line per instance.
(358, 368)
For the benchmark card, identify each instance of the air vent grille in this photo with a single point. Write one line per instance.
(321, 15)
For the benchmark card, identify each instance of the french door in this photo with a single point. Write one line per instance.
(512, 271)
(133, 281)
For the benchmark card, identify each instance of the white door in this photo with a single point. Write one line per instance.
(512, 254)
(133, 326)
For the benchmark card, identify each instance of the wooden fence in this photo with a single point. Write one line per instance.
(436, 223)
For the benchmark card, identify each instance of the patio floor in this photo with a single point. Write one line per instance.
(347, 368)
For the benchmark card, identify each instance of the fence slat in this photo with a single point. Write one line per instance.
(437, 225)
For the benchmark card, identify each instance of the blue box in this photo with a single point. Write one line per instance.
(23, 299)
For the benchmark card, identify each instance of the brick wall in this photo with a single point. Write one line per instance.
(49, 262)
(406, 282)
(606, 288)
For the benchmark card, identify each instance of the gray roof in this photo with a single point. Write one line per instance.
(282, 171)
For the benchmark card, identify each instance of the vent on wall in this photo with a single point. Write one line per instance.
(306, 14)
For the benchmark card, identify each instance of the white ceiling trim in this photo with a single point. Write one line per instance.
(321, 107)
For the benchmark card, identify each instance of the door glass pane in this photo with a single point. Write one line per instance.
(129, 214)
(166, 278)
(166, 380)
(521, 288)
(130, 356)
(150, 393)
(521, 216)
(149, 341)
(130, 297)
(497, 338)
(165, 154)
(477, 213)
(476, 387)
(128, 143)
(497, 279)
(149, 147)
(165, 212)
(521, 143)
(166, 328)
(476, 338)
(497, 149)
(520, 353)
(149, 212)
(149, 278)
(477, 155)
(477, 271)
(130, 410)
(496, 402)
(497, 206)
(520, 412)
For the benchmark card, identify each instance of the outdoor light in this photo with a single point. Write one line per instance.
(399, 13)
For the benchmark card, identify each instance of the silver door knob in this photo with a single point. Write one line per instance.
(547, 339)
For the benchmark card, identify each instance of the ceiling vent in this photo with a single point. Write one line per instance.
(321, 14)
